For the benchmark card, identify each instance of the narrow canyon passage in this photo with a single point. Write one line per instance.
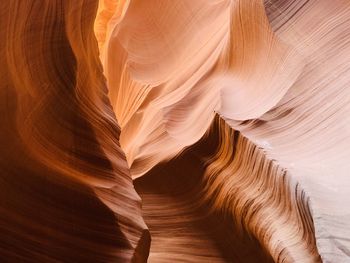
(174, 131)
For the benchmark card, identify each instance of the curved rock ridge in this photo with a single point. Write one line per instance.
(184, 225)
(172, 62)
(222, 196)
(276, 71)
(261, 196)
(66, 194)
(234, 128)
(308, 131)
(158, 79)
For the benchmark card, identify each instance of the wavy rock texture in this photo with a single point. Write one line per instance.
(234, 128)
(276, 72)
(66, 191)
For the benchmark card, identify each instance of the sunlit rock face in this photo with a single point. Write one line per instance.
(231, 118)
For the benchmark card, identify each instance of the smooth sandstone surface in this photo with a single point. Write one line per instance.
(66, 194)
(174, 131)
(277, 72)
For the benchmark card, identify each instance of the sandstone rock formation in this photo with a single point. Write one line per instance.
(231, 118)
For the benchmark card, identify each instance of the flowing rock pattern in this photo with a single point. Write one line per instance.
(234, 128)
(66, 191)
(276, 72)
